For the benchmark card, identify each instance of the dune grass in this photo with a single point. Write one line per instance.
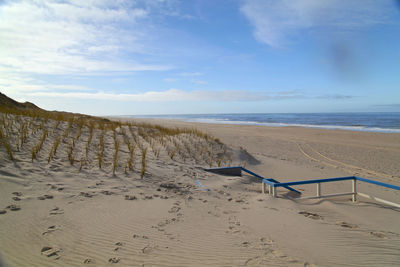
(116, 150)
(6, 144)
(73, 135)
(100, 153)
(144, 163)
(53, 150)
(70, 152)
(36, 149)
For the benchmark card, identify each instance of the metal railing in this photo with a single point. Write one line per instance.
(354, 193)
(274, 184)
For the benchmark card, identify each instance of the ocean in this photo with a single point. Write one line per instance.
(362, 121)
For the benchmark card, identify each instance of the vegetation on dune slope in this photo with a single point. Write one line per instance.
(30, 133)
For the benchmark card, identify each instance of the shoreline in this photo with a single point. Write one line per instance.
(356, 127)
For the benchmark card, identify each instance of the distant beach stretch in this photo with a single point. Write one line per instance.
(384, 122)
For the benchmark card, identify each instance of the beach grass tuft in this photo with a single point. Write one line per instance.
(144, 163)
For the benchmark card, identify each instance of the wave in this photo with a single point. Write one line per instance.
(278, 124)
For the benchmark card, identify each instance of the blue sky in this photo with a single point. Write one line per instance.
(120, 57)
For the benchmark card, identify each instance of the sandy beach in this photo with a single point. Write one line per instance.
(175, 133)
(58, 214)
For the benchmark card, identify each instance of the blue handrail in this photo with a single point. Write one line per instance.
(269, 182)
(395, 187)
(309, 181)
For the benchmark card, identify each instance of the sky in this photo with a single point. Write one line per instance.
(136, 57)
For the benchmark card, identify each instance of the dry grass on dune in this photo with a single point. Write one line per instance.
(114, 147)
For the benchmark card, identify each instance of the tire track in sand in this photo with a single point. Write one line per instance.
(338, 164)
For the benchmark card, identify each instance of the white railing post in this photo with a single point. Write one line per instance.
(269, 189)
(318, 189)
(262, 187)
(354, 196)
(274, 191)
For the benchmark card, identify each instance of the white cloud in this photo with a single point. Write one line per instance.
(170, 80)
(199, 82)
(64, 37)
(69, 87)
(21, 84)
(275, 21)
(188, 74)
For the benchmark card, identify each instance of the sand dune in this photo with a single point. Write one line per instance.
(72, 216)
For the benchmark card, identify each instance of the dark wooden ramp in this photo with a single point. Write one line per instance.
(229, 171)
(237, 171)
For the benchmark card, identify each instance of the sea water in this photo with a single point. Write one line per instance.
(362, 121)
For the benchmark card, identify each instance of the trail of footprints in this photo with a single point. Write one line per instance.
(350, 226)
(267, 252)
(149, 245)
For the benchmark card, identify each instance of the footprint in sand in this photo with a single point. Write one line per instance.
(51, 252)
(55, 187)
(378, 235)
(16, 198)
(140, 236)
(174, 209)
(56, 211)
(13, 207)
(166, 222)
(44, 197)
(50, 229)
(18, 194)
(245, 244)
(130, 197)
(347, 225)
(86, 194)
(114, 260)
(3, 211)
(310, 215)
(89, 261)
(119, 245)
(149, 248)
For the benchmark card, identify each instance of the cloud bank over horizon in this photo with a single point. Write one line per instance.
(178, 95)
